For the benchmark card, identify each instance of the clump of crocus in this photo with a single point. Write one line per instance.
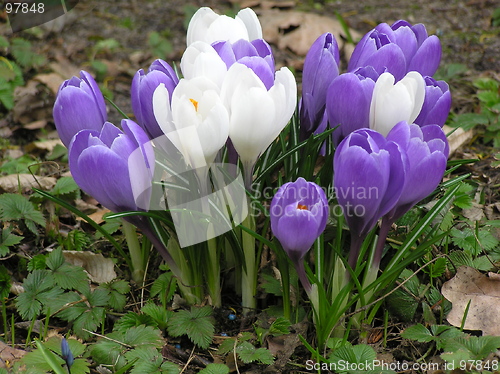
(398, 49)
(369, 175)
(141, 94)
(79, 106)
(321, 67)
(299, 212)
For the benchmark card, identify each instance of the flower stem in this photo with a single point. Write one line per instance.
(135, 252)
(213, 272)
(249, 273)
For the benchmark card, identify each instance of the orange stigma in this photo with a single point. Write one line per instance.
(195, 104)
(303, 207)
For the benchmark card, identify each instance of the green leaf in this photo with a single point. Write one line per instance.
(226, 346)
(22, 52)
(14, 207)
(197, 324)
(148, 360)
(117, 290)
(248, 353)
(419, 333)
(65, 275)
(281, 326)
(159, 314)
(7, 239)
(39, 287)
(143, 336)
(5, 283)
(132, 319)
(164, 287)
(64, 186)
(89, 320)
(215, 369)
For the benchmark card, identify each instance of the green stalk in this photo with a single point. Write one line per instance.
(213, 272)
(135, 251)
(249, 273)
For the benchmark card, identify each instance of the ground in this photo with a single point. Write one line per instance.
(113, 39)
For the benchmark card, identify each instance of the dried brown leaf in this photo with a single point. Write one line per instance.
(306, 28)
(483, 292)
(9, 355)
(99, 268)
(14, 182)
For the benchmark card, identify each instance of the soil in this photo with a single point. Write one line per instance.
(466, 30)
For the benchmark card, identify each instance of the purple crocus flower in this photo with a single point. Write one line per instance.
(143, 87)
(99, 163)
(299, 212)
(437, 103)
(368, 180)
(348, 101)
(257, 55)
(116, 168)
(79, 106)
(426, 149)
(398, 49)
(320, 69)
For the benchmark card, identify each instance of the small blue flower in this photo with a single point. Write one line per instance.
(66, 353)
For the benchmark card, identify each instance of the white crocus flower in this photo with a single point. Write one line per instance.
(197, 122)
(256, 115)
(201, 59)
(208, 26)
(392, 103)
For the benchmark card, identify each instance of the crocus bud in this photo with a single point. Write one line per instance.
(348, 102)
(257, 55)
(369, 175)
(299, 212)
(66, 353)
(99, 164)
(395, 102)
(196, 122)
(143, 87)
(426, 150)
(256, 115)
(209, 27)
(320, 69)
(398, 49)
(437, 103)
(79, 106)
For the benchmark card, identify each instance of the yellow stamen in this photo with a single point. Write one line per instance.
(302, 207)
(195, 103)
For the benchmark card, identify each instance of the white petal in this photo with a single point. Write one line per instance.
(200, 59)
(199, 24)
(251, 22)
(416, 86)
(162, 109)
(226, 28)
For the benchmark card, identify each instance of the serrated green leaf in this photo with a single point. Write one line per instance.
(109, 352)
(248, 354)
(226, 346)
(143, 336)
(357, 354)
(197, 324)
(419, 333)
(7, 239)
(132, 319)
(164, 287)
(215, 369)
(281, 326)
(89, 320)
(159, 314)
(65, 185)
(14, 207)
(65, 275)
(99, 297)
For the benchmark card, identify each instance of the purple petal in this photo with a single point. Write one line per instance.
(428, 57)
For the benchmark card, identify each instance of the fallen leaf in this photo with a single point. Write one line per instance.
(457, 138)
(44, 146)
(305, 29)
(99, 268)
(14, 182)
(36, 125)
(483, 292)
(9, 355)
(51, 80)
